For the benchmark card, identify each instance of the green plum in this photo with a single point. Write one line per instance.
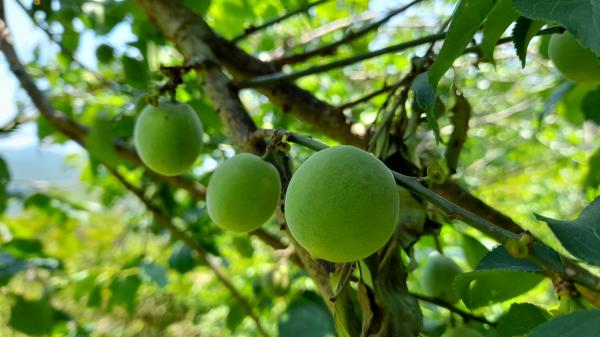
(437, 277)
(243, 193)
(168, 137)
(573, 60)
(342, 204)
(276, 281)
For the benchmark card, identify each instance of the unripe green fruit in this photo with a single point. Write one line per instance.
(342, 204)
(437, 277)
(462, 332)
(105, 53)
(276, 282)
(168, 138)
(243, 193)
(573, 60)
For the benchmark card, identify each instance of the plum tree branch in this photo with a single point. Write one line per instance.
(270, 79)
(353, 35)
(196, 247)
(441, 303)
(569, 270)
(253, 29)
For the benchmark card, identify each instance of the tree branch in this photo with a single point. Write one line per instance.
(253, 29)
(353, 35)
(569, 270)
(270, 79)
(441, 303)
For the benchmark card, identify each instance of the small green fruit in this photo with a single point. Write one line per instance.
(573, 60)
(342, 204)
(243, 193)
(462, 332)
(105, 53)
(437, 277)
(276, 281)
(168, 138)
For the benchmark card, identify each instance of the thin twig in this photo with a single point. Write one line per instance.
(353, 35)
(441, 303)
(70, 54)
(369, 96)
(266, 80)
(253, 29)
(202, 253)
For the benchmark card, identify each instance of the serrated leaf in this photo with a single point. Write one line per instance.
(500, 17)
(485, 287)
(580, 17)
(524, 31)
(35, 317)
(499, 259)
(585, 323)
(590, 104)
(124, 292)
(306, 316)
(581, 237)
(155, 273)
(474, 250)
(466, 20)
(521, 318)
(426, 99)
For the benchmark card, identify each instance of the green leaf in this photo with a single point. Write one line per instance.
(23, 248)
(4, 180)
(136, 72)
(590, 104)
(199, 7)
(500, 17)
(124, 291)
(155, 273)
(592, 178)
(466, 20)
(99, 141)
(585, 323)
(474, 250)
(556, 96)
(581, 237)
(181, 259)
(235, 316)
(34, 318)
(306, 316)
(580, 17)
(9, 267)
(243, 246)
(521, 318)
(499, 259)
(524, 31)
(426, 99)
(485, 287)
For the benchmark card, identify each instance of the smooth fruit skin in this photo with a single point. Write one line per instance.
(437, 277)
(168, 138)
(462, 332)
(243, 193)
(342, 204)
(572, 60)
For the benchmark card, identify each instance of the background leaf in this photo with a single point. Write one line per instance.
(584, 323)
(498, 20)
(521, 318)
(524, 31)
(581, 237)
(580, 17)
